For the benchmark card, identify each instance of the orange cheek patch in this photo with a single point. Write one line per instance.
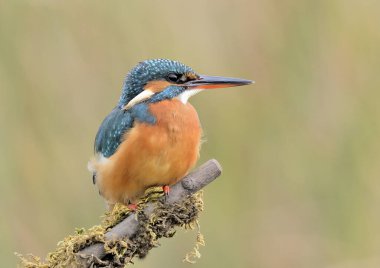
(192, 76)
(157, 86)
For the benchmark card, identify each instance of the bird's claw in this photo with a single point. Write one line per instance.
(132, 206)
(166, 190)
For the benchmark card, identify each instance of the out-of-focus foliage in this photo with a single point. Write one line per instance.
(300, 148)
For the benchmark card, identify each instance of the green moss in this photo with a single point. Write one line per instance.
(160, 224)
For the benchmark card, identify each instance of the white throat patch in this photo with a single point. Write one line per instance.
(184, 96)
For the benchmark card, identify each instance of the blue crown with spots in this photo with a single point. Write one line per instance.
(146, 71)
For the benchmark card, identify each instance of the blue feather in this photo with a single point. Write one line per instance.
(116, 124)
(111, 130)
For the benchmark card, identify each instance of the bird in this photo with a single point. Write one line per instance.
(152, 136)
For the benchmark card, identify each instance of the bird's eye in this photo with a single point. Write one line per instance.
(177, 78)
(173, 77)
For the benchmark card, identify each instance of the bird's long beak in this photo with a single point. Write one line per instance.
(209, 82)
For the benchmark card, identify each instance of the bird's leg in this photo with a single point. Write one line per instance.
(166, 190)
(132, 206)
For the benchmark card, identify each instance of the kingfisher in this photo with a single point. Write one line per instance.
(152, 137)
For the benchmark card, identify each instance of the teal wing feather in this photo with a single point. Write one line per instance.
(116, 124)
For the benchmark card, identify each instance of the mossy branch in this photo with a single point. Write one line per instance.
(124, 234)
(190, 184)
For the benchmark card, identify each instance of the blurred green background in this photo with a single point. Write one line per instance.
(300, 148)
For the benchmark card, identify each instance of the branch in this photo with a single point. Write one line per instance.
(190, 184)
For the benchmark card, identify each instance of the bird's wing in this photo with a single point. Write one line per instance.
(111, 131)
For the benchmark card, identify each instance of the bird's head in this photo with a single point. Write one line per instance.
(159, 79)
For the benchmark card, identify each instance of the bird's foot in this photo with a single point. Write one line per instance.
(166, 190)
(132, 206)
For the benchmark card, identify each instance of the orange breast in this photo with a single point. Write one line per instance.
(158, 154)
